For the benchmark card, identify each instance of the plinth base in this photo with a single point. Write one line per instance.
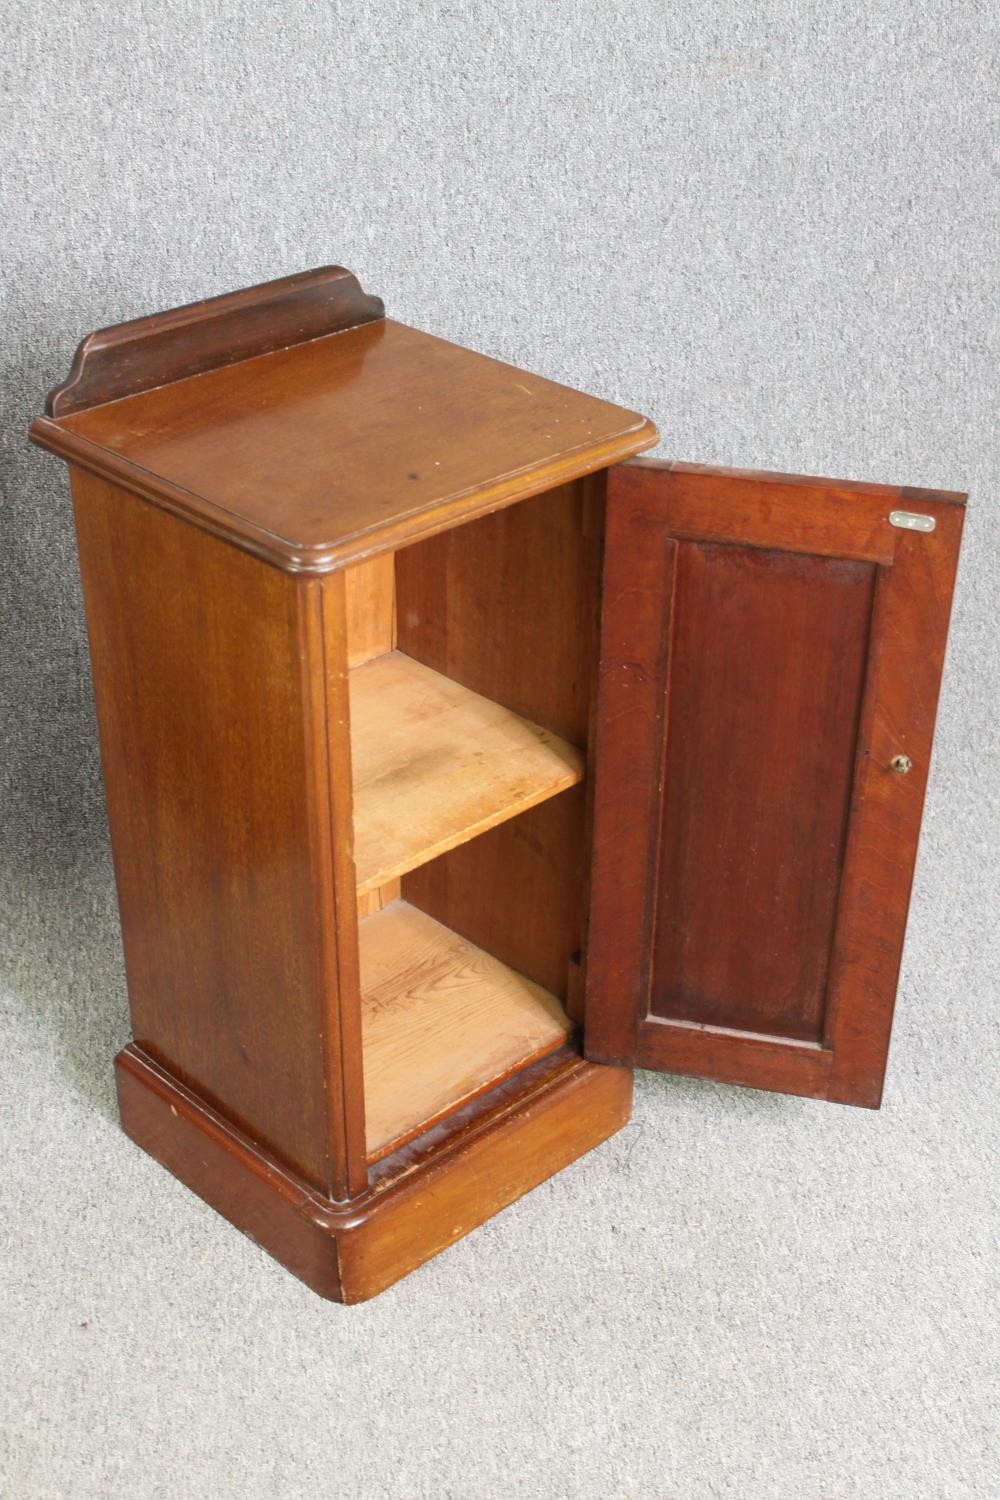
(419, 1203)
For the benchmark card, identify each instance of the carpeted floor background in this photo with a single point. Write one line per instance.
(773, 227)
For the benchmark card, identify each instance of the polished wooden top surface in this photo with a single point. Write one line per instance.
(346, 445)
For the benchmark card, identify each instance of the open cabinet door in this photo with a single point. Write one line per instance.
(771, 654)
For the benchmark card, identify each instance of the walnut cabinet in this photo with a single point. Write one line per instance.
(459, 762)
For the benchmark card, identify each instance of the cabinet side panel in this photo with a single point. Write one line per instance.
(197, 661)
(370, 591)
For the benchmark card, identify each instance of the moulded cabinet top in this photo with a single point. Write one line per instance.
(313, 448)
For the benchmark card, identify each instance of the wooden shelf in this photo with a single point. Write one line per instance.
(443, 1021)
(435, 764)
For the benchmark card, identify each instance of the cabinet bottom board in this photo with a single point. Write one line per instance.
(442, 1022)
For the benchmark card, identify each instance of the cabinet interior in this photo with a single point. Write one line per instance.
(472, 656)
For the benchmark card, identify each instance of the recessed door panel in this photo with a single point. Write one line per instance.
(771, 654)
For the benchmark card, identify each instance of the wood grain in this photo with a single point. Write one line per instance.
(374, 900)
(768, 657)
(117, 362)
(753, 846)
(324, 677)
(435, 764)
(509, 605)
(543, 1127)
(442, 1020)
(211, 681)
(511, 1139)
(371, 608)
(346, 445)
(517, 890)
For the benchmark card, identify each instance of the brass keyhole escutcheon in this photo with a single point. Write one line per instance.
(901, 764)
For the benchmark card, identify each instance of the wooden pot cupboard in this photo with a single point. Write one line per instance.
(458, 762)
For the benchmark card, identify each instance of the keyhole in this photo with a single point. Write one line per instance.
(901, 764)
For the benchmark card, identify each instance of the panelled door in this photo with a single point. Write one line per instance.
(771, 653)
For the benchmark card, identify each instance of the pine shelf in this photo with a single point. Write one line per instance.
(443, 1021)
(435, 764)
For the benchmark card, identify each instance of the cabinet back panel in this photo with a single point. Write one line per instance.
(765, 690)
(516, 891)
(507, 606)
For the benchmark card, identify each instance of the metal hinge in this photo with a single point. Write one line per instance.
(908, 520)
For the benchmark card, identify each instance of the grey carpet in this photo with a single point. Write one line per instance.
(773, 228)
